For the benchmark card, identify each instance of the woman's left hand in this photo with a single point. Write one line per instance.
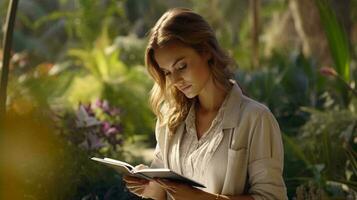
(179, 191)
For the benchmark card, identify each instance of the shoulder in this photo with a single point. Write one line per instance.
(260, 122)
(253, 110)
(252, 106)
(242, 111)
(257, 128)
(257, 122)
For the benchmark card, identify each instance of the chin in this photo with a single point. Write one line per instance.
(190, 95)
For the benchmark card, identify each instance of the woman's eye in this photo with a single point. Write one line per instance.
(167, 73)
(181, 67)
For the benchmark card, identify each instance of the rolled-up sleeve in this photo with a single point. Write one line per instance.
(266, 159)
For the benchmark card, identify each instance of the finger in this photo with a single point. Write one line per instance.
(165, 186)
(140, 182)
(167, 189)
(138, 191)
(170, 190)
(168, 182)
(160, 183)
(131, 179)
(171, 195)
(134, 186)
(141, 166)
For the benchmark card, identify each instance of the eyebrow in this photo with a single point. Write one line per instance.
(176, 61)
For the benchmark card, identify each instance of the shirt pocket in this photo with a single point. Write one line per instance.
(236, 171)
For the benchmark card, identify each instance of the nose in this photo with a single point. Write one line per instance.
(175, 78)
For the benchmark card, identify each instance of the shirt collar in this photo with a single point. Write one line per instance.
(231, 107)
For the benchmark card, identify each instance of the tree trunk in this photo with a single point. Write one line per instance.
(310, 30)
(309, 27)
(255, 7)
(9, 29)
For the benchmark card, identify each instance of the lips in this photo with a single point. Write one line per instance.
(185, 87)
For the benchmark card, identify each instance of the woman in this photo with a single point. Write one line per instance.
(207, 129)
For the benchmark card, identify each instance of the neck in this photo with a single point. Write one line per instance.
(211, 97)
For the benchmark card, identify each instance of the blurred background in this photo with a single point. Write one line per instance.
(78, 88)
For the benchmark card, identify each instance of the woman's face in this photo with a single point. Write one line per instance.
(184, 68)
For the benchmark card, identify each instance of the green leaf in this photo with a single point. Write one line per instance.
(337, 39)
(289, 141)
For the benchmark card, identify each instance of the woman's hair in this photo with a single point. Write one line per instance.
(184, 26)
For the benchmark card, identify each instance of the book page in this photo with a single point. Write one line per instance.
(120, 163)
(119, 167)
(146, 173)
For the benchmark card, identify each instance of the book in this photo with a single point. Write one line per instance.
(147, 173)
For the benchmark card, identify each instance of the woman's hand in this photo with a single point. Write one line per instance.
(143, 187)
(136, 185)
(180, 191)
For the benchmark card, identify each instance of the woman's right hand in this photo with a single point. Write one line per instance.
(144, 188)
(136, 185)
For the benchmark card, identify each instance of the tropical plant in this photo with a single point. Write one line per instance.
(327, 142)
(95, 128)
(111, 79)
(41, 164)
(327, 148)
(284, 85)
(339, 46)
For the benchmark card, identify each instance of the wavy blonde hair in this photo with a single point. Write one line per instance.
(189, 28)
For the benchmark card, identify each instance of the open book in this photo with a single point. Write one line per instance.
(148, 173)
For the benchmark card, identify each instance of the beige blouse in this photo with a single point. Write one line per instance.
(244, 155)
(195, 154)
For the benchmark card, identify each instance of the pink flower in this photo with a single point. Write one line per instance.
(84, 118)
(94, 141)
(105, 106)
(91, 142)
(108, 129)
(98, 103)
(114, 112)
(111, 131)
(328, 71)
(105, 126)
